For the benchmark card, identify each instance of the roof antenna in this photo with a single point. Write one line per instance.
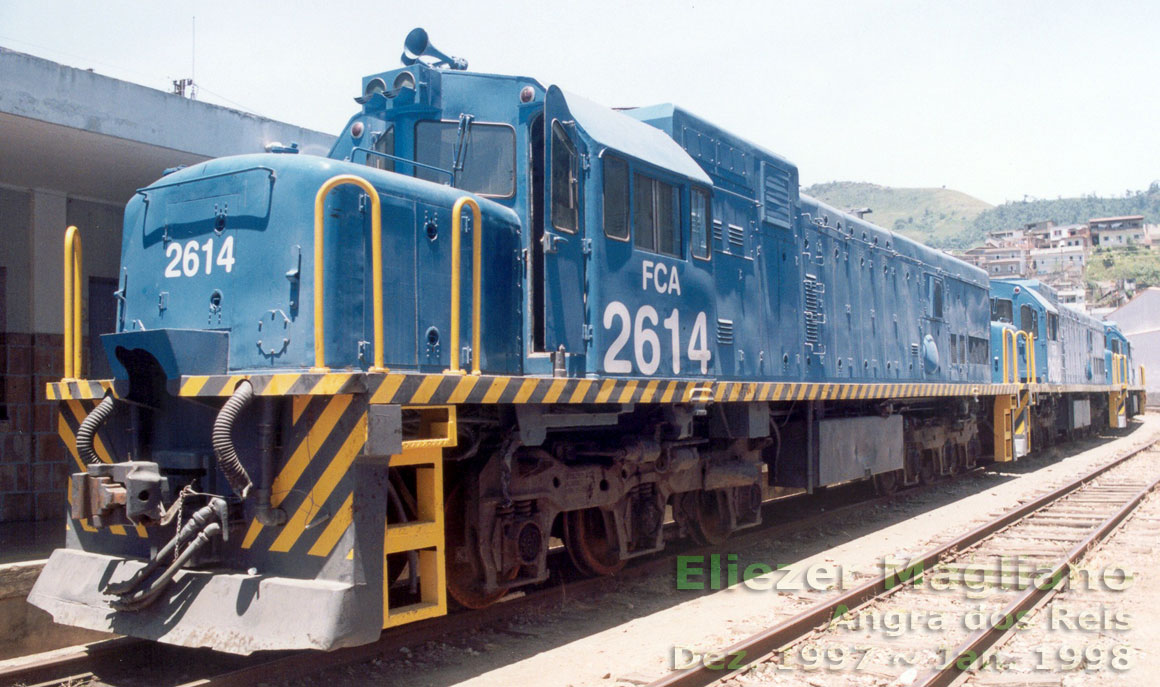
(181, 85)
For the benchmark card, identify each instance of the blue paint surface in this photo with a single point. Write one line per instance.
(599, 253)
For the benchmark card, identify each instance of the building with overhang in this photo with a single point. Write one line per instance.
(74, 148)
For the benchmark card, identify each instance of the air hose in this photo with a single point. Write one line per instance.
(89, 426)
(223, 445)
(199, 521)
(148, 596)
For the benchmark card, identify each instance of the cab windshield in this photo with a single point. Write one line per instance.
(489, 156)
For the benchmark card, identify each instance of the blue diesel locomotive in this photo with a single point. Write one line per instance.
(495, 314)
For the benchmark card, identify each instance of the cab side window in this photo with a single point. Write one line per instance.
(699, 224)
(565, 191)
(934, 296)
(384, 143)
(656, 216)
(615, 198)
(1001, 310)
(1028, 321)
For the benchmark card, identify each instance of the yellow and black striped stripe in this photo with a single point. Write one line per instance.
(280, 384)
(1022, 413)
(448, 389)
(313, 484)
(77, 389)
(455, 389)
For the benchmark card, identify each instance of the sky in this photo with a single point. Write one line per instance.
(998, 99)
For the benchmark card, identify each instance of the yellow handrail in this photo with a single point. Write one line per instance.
(1143, 378)
(1029, 360)
(1116, 376)
(476, 281)
(376, 267)
(1119, 369)
(72, 303)
(1010, 376)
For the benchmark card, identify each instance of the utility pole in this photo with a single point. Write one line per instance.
(183, 86)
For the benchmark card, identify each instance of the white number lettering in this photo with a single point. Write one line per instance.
(646, 343)
(673, 324)
(189, 261)
(643, 336)
(173, 251)
(208, 248)
(699, 343)
(225, 256)
(612, 364)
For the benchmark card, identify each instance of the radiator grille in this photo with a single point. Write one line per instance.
(814, 315)
(736, 236)
(775, 186)
(724, 332)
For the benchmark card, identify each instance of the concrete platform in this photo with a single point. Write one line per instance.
(25, 629)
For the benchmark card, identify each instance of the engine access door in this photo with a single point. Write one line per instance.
(561, 245)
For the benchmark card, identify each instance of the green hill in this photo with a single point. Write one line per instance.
(1072, 210)
(938, 217)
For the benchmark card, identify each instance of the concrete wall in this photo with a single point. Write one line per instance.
(1139, 319)
(74, 147)
(1146, 352)
(43, 90)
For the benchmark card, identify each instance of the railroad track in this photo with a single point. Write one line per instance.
(1011, 564)
(133, 661)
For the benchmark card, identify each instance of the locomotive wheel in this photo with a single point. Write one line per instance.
(464, 569)
(590, 537)
(957, 453)
(926, 471)
(886, 483)
(709, 511)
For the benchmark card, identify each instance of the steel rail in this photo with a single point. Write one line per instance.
(973, 650)
(754, 648)
(59, 666)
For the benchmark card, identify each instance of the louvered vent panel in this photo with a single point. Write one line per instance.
(725, 332)
(814, 315)
(776, 195)
(736, 236)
